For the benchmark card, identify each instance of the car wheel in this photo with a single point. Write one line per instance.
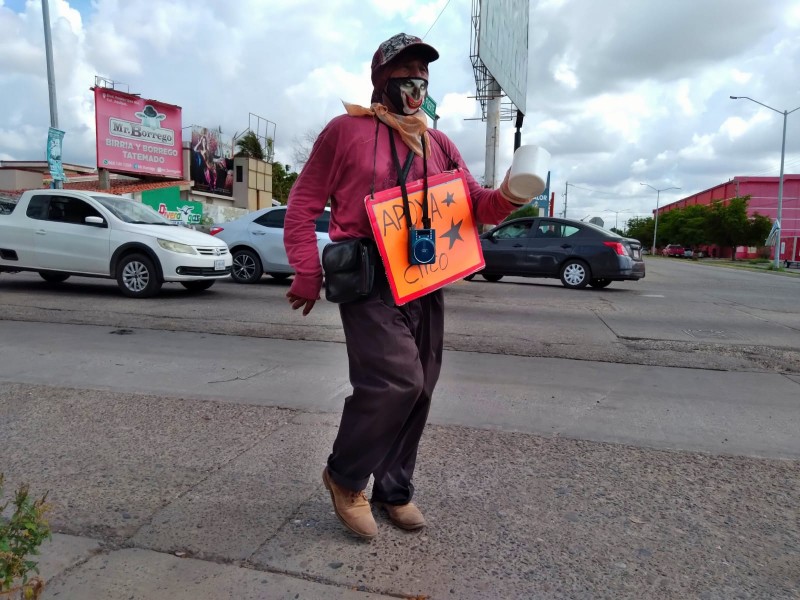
(137, 276)
(575, 274)
(246, 267)
(280, 276)
(53, 277)
(599, 284)
(198, 286)
(469, 277)
(491, 277)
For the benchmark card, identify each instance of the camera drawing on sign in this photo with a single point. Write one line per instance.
(404, 212)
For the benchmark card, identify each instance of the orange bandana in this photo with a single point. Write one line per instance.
(410, 127)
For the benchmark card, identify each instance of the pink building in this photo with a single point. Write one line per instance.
(763, 192)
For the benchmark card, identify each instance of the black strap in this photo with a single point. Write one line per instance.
(453, 164)
(402, 175)
(426, 221)
(374, 158)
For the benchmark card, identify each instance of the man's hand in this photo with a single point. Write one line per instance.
(508, 195)
(298, 302)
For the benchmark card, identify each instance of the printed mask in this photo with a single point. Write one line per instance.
(407, 93)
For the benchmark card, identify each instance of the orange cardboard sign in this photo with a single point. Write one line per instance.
(458, 247)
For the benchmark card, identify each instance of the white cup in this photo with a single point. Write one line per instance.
(528, 176)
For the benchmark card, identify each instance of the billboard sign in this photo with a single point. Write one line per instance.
(503, 45)
(55, 138)
(136, 135)
(167, 202)
(211, 167)
(542, 199)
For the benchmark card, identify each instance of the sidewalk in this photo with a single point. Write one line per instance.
(158, 497)
(744, 263)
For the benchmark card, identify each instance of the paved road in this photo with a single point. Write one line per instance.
(683, 314)
(659, 407)
(196, 426)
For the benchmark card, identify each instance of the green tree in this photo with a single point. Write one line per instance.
(668, 228)
(759, 229)
(692, 225)
(250, 146)
(283, 179)
(729, 226)
(524, 211)
(641, 228)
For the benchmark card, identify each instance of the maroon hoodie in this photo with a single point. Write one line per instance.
(340, 169)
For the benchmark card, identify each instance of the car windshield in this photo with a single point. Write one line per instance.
(605, 231)
(132, 212)
(7, 206)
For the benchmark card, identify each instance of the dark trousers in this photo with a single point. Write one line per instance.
(395, 355)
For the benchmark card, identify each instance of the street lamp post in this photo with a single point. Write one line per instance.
(616, 215)
(785, 114)
(51, 78)
(655, 227)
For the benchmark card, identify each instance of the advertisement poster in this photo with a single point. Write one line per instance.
(167, 202)
(542, 201)
(136, 135)
(211, 167)
(55, 139)
(458, 248)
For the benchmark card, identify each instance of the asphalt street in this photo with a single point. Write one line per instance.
(639, 442)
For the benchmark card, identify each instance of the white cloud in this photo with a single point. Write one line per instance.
(619, 92)
(701, 148)
(740, 77)
(564, 73)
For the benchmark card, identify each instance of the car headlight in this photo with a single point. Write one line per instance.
(176, 247)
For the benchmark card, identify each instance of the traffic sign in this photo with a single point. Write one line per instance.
(429, 106)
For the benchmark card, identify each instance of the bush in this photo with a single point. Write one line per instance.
(20, 538)
(525, 211)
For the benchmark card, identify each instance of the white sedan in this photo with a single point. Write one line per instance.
(256, 243)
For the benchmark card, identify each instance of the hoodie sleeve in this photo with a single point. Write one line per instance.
(307, 200)
(488, 206)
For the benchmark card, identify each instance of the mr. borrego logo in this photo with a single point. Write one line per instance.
(148, 130)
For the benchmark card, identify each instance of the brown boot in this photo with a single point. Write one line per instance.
(405, 516)
(352, 508)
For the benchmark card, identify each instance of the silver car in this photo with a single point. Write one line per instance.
(256, 243)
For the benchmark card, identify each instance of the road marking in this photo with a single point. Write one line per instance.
(652, 295)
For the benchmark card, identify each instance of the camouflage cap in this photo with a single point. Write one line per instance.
(400, 43)
(389, 50)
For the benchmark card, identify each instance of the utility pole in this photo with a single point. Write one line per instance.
(51, 80)
(566, 189)
(785, 114)
(518, 132)
(492, 134)
(658, 197)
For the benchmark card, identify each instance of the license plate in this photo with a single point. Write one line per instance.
(219, 265)
(636, 254)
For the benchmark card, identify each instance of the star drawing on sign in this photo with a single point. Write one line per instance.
(449, 200)
(453, 234)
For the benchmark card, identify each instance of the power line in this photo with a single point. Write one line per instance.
(788, 164)
(437, 18)
(585, 189)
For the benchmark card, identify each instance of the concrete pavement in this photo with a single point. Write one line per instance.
(201, 480)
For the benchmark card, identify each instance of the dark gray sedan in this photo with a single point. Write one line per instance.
(578, 253)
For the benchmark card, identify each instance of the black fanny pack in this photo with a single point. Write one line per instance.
(349, 269)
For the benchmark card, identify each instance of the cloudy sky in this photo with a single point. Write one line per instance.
(619, 91)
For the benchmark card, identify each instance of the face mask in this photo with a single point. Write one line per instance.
(407, 93)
